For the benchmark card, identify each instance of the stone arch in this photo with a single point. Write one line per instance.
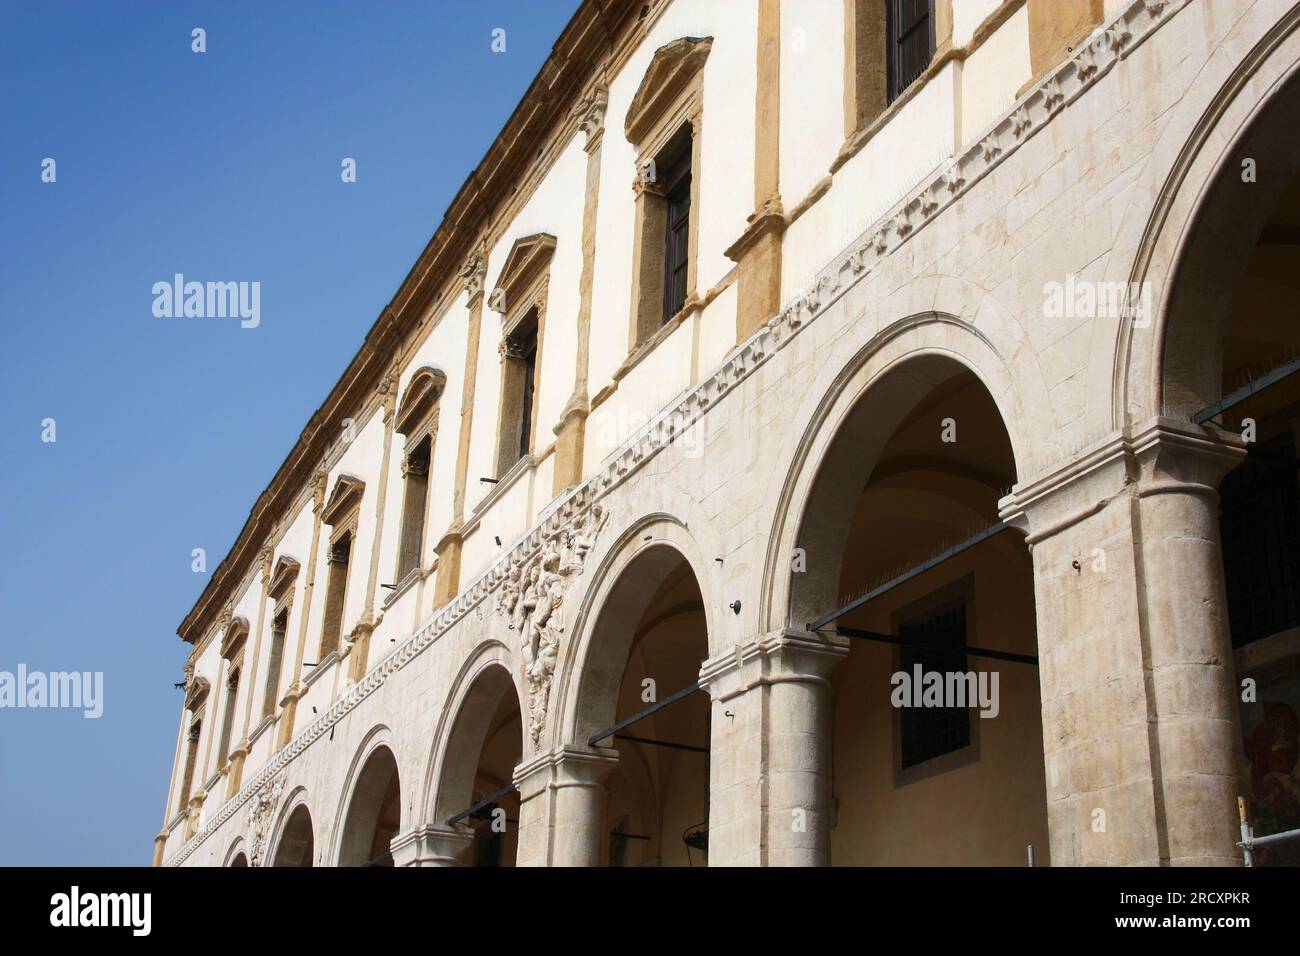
(294, 840)
(487, 675)
(876, 488)
(898, 365)
(1237, 104)
(623, 585)
(367, 797)
(237, 854)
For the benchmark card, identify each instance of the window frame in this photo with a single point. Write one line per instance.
(896, 83)
(677, 187)
(666, 110)
(961, 590)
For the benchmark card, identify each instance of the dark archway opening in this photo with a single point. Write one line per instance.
(649, 642)
(374, 813)
(937, 752)
(485, 746)
(1231, 359)
(296, 842)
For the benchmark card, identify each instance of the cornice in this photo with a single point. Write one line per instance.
(592, 43)
(1032, 112)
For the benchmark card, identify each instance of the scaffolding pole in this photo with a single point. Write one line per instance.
(1249, 842)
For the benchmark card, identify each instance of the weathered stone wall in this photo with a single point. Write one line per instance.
(1137, 718)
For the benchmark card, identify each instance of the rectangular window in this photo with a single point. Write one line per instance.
(415, 469)
(232, 690)
(518, 392)
(929, 732)
(529, 349)
(676, 172)
(1260, 527)
(910, 31)
(338, 558)
(191, 758)
(279, 626)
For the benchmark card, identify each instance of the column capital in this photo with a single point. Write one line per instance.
(780, 656)
(1178, 456)
(564, 766)
(1159, 456)
(431, 845)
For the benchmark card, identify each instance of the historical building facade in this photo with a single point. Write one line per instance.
(777, 353)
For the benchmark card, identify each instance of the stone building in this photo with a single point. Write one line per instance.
(772, 351)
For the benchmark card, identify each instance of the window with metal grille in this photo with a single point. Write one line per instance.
(338, 556)
(415, 499)
(1260, 526)
(227, 722)
(191, 758)
(929, 732)
(910, 29)
(270, 696)
(676, 172)
(528, 350)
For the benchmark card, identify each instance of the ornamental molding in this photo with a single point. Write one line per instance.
(1059, 89)
(419, 400)
(523, 277)
(474, 272)
(590, 113)
(344, 500)
(196, 689)
(531, 598)
(674, 68)
(283, 576)
(260, 812)
(235, 635)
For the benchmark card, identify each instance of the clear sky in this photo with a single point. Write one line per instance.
(224, 166)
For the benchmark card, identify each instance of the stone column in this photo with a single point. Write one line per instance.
(770, 749)
(1193, 682)
(431, 845)
(1139, 720)
(562, 806)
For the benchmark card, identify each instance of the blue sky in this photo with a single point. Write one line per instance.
(222, 166)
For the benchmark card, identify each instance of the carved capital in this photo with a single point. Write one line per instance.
(319, 482)
(590, 113)
(386, 394)
(416, 467)
(474, 272)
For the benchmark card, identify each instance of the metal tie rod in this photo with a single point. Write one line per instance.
(485, 802)
(596, 738)
(968, 651)
(663, 743)
(1246, 391)
(906, 576)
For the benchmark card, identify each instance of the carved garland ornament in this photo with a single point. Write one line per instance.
(260, 811)
(532, 599)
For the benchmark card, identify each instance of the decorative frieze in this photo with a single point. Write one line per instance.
(532, 598)
(260, 814)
